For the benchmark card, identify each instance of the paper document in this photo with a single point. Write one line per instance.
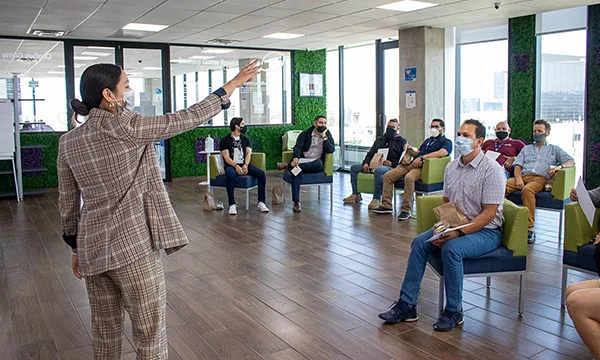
(296, 170)
(583, 197)
(492, 154)
(437, 236)
(384, 151)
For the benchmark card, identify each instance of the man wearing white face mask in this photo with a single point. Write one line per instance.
(437, 146)
(475, 183)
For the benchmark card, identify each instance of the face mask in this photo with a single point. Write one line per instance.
(501, 135)
(128, 98)
(243, 130)
(463, 146)
(321, 129)
(390, 133)
(434, 132)
(539, 138)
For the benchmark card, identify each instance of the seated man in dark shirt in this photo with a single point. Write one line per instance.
(237, 152)
(437, 146)
(507, 147)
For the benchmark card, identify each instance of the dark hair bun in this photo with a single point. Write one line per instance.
(79, 107)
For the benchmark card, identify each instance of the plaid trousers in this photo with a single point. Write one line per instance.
(139, 288)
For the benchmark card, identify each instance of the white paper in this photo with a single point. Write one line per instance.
(492, 154)
(583, 197)
(296, 170)
(384, 151)
(437, 236)
(411, 99)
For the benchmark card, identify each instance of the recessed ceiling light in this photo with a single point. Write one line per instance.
(76, 66)
(217, 51)
(152, 68)
(93, 53)
(84, 58)
(407, 5)
(200, 57)
(285, 36)
(144, 27)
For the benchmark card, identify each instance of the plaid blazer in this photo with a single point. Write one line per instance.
(111, 192)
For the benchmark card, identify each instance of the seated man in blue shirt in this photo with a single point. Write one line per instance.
(534, 165)
(483, 180)
(395, 145)
(437, 146)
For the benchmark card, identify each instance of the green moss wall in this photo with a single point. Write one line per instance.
(521, 76)
(267, 138)
(592, 113)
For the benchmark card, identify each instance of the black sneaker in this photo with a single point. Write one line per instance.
(448, 321)
(405, 215)
(400, 311)
(530, 237)
(382, 210)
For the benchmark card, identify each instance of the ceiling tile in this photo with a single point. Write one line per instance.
(120, 13)
(300, 5)
(165, 16)
(206, 19)
(275, 12)
(189, 4)
(343, 9)
(234, 7)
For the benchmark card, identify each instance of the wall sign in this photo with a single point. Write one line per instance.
(411, 99)
(410, 74)
(311, 85)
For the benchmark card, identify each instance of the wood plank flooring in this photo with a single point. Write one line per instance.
(281, 286)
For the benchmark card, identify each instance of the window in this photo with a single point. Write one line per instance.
(483, 83)
(42, 87)
(266, 100)
(332, 90)
(561, 94)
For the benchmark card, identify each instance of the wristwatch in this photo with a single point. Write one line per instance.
(460, 232)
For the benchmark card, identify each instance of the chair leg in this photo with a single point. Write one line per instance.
(488, 282)
(331, 195)
(394, 196)
(283, 190)
(441, 297)
(521, 288)
(560, 226)
(247, 199)
(319, 192)
(563, 288)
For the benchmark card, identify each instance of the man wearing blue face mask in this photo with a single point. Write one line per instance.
(534, 165)
(476, 184)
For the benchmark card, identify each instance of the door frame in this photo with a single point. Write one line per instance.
(380, 48)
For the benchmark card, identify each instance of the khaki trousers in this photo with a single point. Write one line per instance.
(533, 185)
(410, 175)
(138, 288)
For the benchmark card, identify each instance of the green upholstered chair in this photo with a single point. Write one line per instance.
(508, 259)
(245, 182)
(556, 199)
(324, 178)
(578, 253)
(432, 178)
(365, 182)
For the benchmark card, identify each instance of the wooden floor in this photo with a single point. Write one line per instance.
(280, 286)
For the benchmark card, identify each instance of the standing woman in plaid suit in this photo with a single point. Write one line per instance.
(116, 214)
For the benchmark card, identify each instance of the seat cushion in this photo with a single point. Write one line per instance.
(309, 178)
(583, 258)
(498, 260)
(542, 200)
(241, 182)
(420, 187)
(365, 183)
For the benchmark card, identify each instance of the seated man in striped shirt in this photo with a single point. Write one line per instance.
(476, 184)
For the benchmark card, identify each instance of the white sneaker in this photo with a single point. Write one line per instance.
(233, 210)
(262, 207)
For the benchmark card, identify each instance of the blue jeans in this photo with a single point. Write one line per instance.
(311, 167)
(252, 171)
(378, 172)
(453, 253)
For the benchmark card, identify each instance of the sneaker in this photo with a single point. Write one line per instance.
(405, 215)
(400, 311)
(530, 237)
(354, 198)
(382, 210)
(233, 209)
(297, 207)
(374, 204)
(448, 320)
(262, 207)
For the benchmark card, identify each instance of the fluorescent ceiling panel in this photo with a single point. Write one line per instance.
(285, 36)
(407, 5)
(144, 27)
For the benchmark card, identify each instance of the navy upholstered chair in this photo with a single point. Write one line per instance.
(245, 182)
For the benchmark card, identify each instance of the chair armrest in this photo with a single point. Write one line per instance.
(514, 232)
(433, 170)
(425, 216)
(578, 231)
(259, 160)
(214, 170)
(328, 164)
(287, 156)
(564, 181)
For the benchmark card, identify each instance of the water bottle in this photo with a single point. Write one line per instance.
(209, 144)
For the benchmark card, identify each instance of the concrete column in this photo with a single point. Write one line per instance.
(421, 48)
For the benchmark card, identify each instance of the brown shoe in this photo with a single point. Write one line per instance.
(282, 166)
(374, 204)
(353, 199)
(297, 207)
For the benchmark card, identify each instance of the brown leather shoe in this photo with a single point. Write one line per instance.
(282, 166)
(297, 207)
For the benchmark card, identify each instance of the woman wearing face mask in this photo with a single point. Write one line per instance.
(116, 214)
